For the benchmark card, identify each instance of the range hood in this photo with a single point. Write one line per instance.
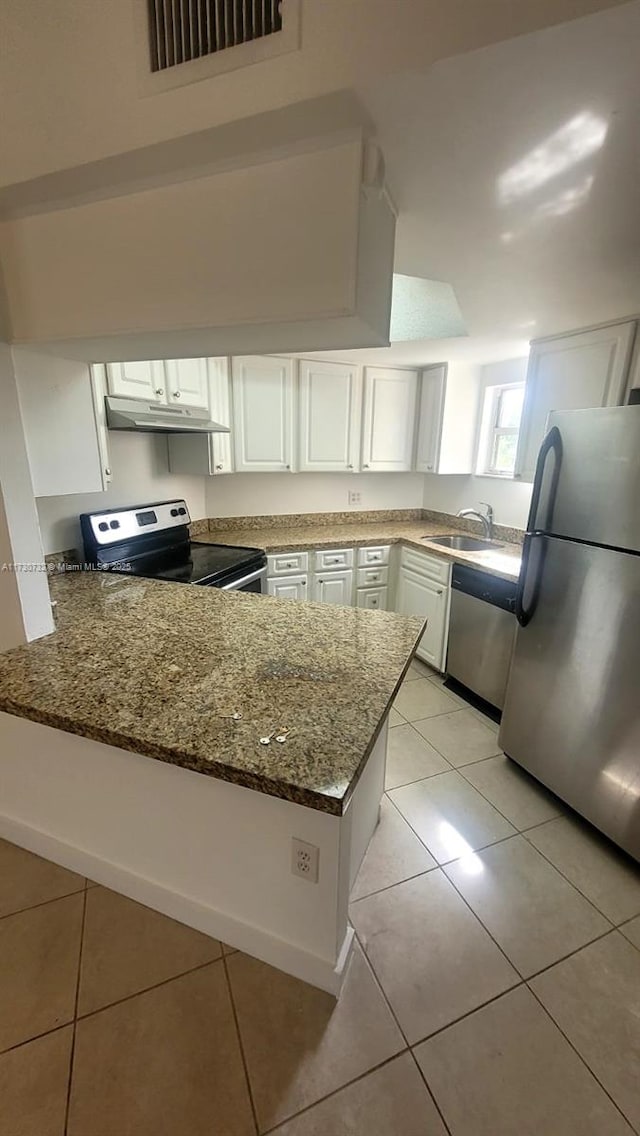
(131, 414)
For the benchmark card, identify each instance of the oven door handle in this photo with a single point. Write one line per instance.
(235, 585)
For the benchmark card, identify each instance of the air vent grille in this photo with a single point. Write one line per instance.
(182, 30)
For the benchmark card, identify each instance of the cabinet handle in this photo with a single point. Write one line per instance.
(349, 467)
(365, 466)
(176, 394)
(107, 472)
(159, 390)
(429, 467)
(438, 591)
(219, 466)
(287, 467)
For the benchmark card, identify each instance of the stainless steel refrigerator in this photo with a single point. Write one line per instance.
(572, 709)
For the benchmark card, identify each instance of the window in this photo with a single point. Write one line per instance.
(500, 428)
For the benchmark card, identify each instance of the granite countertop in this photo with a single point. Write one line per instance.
(157, 668)
(502, 561)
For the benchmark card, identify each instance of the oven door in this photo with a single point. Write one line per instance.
(252, 582)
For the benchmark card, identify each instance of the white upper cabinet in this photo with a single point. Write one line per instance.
(388, 419)
(187, 383)
(430, 414)
(63, 419)
(571, 372)
(329, 416)
(448, 410)
(263, 409)
(143, 380)
(220, 403)
(207, 454)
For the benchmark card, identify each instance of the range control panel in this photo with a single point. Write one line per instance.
(111, 526)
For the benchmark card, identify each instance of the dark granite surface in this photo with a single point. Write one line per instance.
(157, 668)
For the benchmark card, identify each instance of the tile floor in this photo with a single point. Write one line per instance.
(494, 989)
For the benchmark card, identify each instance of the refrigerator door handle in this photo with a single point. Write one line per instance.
(551, 443)
(525, 607)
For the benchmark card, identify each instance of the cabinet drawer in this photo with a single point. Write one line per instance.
(282, 563)
(373, 555)
(424, 565)
(373, 598)
(334, 558)
(372, 577)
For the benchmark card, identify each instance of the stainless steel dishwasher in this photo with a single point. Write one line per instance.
(482, 630)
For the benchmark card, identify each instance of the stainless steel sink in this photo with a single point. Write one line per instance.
(462, 543)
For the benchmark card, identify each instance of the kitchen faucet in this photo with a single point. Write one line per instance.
(486, 519)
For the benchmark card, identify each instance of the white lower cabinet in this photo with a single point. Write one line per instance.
(374, 599)
(334, 587)
(288, 587)
(424, 590)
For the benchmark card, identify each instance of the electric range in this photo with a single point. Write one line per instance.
(154, 541)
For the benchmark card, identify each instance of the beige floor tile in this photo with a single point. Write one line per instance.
(227, 950)
(450, 816)
(529, 908)
(423, 670)
(594, 996)
(163, 1063)
(434, 960)
(128, 948)
(39, 958)
(508, 1071)
(395, 719)
(392, 1101)
(460, 737)
(410, 757)
(33, 1086)
(26, 879)
(519, 797)
(299, 1043)
(394, 854)
(631, 931)
(608, 878)
(489, 722)
(422, 699)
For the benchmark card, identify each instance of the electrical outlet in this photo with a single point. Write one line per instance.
(354, 497)
(305, 860)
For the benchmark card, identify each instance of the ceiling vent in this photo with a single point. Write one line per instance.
(181, 31)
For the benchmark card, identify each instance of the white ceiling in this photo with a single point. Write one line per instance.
(516, 171)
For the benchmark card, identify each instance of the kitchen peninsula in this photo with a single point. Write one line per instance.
(132, 753)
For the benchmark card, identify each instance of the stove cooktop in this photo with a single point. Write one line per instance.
(212, 564)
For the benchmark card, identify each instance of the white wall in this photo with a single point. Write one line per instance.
(140, 474)
(510, 499)
(256, 494)
(25, 610)
(78, 80)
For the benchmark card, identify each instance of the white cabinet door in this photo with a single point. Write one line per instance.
(389, 418)
(220, 404)
(207, 454)
(143, 380)
(63, 425)
(418, 595)
(329, 416)
(288, 587)
(262, 413)
(430, 416)
(187, 383)
(334, 587)
(375, 599)
(571, 373)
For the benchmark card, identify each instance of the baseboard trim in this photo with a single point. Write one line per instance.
(252, 940)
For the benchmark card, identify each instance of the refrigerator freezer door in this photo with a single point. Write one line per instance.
(572, 710)
(597, 497)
